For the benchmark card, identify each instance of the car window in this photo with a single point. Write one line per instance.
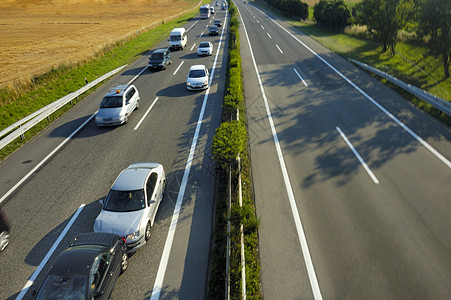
(157, 55)
(175, 38)
(111, 101)
(204, 45)
(130, 94)
(99, 270)
(122, 201)
(196, 73)
(64, 287)
(150, 186)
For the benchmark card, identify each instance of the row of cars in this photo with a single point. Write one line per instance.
(90, 266)
(122, 100)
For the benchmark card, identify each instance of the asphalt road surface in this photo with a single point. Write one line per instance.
(173, 127)
(352, 183)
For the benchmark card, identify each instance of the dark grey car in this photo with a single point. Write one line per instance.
(159, 59)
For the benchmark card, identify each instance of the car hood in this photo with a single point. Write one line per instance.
(110, 112)
(155, 61)
(120, 223)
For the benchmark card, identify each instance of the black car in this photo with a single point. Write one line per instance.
(4, 231)
(218, 23)
(160, 58)
(213, 30)
(88, 269)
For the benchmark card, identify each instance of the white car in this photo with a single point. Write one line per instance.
(198, 78)
(130, 208)
(117, 105)
(205, 48)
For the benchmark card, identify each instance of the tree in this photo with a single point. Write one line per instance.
(333, 14)
(384, 18)
(435, 26)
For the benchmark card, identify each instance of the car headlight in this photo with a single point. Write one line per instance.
(205, 82)
(132, 237)
(188, 83)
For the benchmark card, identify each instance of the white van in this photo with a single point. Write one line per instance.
(178, 38)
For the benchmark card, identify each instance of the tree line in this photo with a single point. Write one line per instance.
(429, 19)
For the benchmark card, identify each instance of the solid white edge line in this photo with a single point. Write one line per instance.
(145, 115)
(192, 47)
(279, 48)
(46, 158)
(175, 216)
(176, 70)
(368, 170)
(300, 77)
(35, 274)
(396, 120)
(297, 219)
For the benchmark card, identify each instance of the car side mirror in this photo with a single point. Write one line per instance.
(152, 202)
(98, 294)
(101, 201)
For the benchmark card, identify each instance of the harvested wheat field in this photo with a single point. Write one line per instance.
(38, 35)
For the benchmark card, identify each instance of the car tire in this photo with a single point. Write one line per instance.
(4, 240)
(164, 189)
(137, 105)
(124, 262)
(147, 232)
(126, 120)
(170, 62)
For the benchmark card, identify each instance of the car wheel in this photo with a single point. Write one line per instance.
(137, 105)
(4, 240)
(147, 233)
(124, 262)
(170, 62)
(126, 120)
(164, 189)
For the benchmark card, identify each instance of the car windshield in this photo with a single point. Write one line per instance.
(123, 201)
(157, 55)
(112, 101)
(204, 45)
(70, 287)
(217, 21)
(214, 27)
(175, 37)
(196, 73)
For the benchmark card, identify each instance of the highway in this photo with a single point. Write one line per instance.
(56, 180)
(352, 183)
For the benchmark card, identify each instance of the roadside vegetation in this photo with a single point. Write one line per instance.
(57, 83)
(409, 39)
(230, 141)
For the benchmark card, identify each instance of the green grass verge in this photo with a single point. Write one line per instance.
(59, 82)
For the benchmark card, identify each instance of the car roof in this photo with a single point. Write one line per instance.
(76, 260)
(134, 177)
(197, 67)
(117, 90)
(95, 238)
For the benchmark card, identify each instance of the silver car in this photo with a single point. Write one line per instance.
(117, 105)
(198, 78)
(130, 207)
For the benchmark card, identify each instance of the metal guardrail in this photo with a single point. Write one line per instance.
(28, 122)
(440, 104)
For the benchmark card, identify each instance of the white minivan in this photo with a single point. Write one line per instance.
(178, 38)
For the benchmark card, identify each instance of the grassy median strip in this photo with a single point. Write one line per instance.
(49, 87)
(229, 140)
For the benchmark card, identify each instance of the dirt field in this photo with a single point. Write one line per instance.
(36, 35)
